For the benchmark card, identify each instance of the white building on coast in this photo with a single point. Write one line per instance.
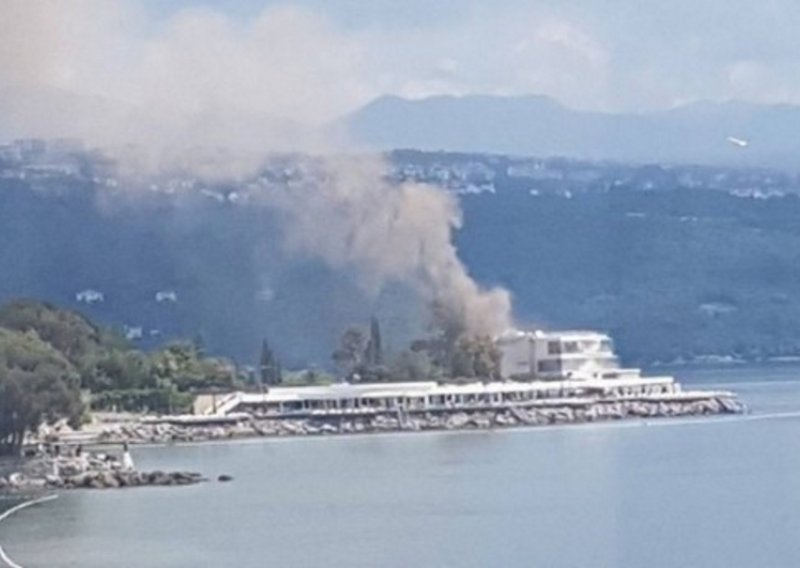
(539, 370)
(559, 356)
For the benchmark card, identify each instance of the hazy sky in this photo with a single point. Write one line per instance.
(608, 54)
(315, 59)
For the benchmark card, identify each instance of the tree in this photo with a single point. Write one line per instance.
(180, 365)
(475, 357)
(103, 358)
(66, 331)
(278, 372)
(116, 374)
(117, 370)
(374, 350)
(466, 357)
(449, 327)
(269, 366)
(37, 384)
(360, 357)
(411, 366)
(199, 343)
(265, 363)
(350, 355)
(454, 350)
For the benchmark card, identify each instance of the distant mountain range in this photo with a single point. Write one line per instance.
(727, 133)
(732, 133)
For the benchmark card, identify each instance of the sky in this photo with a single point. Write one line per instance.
(616, 55)
(211, 87)
(314, 60)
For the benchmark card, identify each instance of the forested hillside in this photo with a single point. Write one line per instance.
(677, 263)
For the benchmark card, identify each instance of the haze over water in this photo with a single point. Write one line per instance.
(710, 492)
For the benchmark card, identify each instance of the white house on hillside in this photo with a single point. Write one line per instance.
(166, 296)
(90, 296)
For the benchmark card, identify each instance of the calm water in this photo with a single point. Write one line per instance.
(679, 493)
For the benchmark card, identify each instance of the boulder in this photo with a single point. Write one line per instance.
(185, 477)
(480, 421)
(458, 420)
(157, 478)
(54, 481)
(16, 479)
(71, 468)
(730, 405)
(109, 480)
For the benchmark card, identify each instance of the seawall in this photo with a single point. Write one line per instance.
(539, 413)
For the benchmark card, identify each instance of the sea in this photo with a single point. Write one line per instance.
(698, 492)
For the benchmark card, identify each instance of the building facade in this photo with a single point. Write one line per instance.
(558, 356)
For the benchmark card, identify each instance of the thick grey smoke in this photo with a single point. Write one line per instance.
(203, 94)
(356, 220)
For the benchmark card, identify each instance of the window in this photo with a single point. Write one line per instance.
(549, 366)
(571, 347)
(554, 347)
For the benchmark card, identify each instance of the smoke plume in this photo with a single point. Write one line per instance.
(202, 93)
(352, 217)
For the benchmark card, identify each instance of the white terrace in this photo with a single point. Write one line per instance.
(416, 396)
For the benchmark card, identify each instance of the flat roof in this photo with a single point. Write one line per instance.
(430, 388)
(517, 334)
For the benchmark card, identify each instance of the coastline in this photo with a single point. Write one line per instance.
(688, 420)
(630, 413)
(60, 462)
(97, 472)
(172, 430)
(639, 443)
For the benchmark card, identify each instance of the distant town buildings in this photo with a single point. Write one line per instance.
(166, 296)
(35, 158)
(90, 296)
(132, 333)
(44, 162)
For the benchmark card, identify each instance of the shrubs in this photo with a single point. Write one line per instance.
(37, 384)
(48, 354)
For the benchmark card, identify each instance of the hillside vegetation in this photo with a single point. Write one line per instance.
(677, 262)
(50, 358)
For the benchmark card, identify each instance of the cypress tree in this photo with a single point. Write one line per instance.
(374, 348)
(266, 363)
(278, 372)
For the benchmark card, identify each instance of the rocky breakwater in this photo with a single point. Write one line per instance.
(99, 471)
(504, 417)
(539, 412)
(166, 432)
(118, 479)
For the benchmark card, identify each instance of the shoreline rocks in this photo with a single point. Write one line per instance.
(96, 471)
(119, 479)
(20, 483)
(410, 420)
